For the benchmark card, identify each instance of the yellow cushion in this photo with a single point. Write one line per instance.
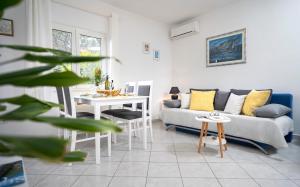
(202, 100)
(254, 100)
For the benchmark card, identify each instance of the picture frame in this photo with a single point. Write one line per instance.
(146, 47)
(226, 49)
(156, 55)
(6, 27)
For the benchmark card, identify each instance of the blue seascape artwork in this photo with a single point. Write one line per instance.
(226, 49)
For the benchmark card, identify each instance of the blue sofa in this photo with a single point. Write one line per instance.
(285, 99)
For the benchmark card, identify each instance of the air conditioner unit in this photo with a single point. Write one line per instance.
(184, 30)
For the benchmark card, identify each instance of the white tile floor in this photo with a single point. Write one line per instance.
(171, 160)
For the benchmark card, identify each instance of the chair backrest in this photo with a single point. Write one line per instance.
(68, 100)
(64, 98)
(130, 87)
(60, 97)
(144, 88)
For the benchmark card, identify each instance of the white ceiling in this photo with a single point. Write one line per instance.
(168, 11)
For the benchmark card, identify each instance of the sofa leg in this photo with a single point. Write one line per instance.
(169, 126)
(252, 143)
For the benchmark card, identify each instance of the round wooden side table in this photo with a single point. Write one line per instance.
(210, 140)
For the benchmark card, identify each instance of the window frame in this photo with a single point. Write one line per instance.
(76, 33)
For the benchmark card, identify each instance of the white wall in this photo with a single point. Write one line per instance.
(273, 59)
(137, 66)
(74, 17)
(132, 31)
(18, 15)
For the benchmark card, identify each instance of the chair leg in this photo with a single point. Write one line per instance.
(66, 134)
(137, 128)
(97, 147)
(109, 143)
(73, 140)
(134, 127)
(129, 135)
(59, 133)
(151, 130)
(114, 137)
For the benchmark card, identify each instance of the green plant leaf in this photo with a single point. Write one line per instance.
(27, 111)
(24, 73)
(25, 99)
(86, 125)
(59, 60)
(2, 108)
(47, 148)
(75, 156)
(36, 49)
(66, 78)
(7, 3)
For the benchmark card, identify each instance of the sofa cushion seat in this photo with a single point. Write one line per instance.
(264, 130)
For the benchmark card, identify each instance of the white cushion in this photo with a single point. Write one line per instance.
(185, 100)
(234, 104)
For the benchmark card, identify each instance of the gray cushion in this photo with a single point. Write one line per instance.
(138, 106)
(240, 92)
(172, 103)
(246, 92)
(272, 111)
(129, 115)
(221, 100)
(114, 111)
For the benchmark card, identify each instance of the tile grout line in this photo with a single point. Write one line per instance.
(46, 175)
(148, 166)
(212, 171)
(177, 154)
(114, 175)
(206, 161)
(247, 173)
(178, 165)
(78, 176)
(288, 178)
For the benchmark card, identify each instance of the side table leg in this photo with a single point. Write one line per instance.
(205, 131)
(201, 137)
(220, 138)
(223, 135)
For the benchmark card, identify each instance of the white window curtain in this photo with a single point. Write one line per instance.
(38, 13)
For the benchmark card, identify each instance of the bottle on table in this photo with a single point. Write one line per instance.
(107, 84)
(112, 85)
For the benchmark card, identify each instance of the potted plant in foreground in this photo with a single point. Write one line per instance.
(51, 149)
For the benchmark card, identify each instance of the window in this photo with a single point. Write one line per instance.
(80, 42)
(89, 46)
(62, 40)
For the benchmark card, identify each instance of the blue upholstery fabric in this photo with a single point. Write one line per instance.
(285, 99)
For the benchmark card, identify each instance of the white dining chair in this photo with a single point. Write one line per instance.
(132, 118)
(69, 111)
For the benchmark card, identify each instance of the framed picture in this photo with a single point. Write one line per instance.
(146, 47)
(226, 49)
(6, 27)
(156, 55)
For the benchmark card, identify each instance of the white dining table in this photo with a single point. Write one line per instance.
(98, 102)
